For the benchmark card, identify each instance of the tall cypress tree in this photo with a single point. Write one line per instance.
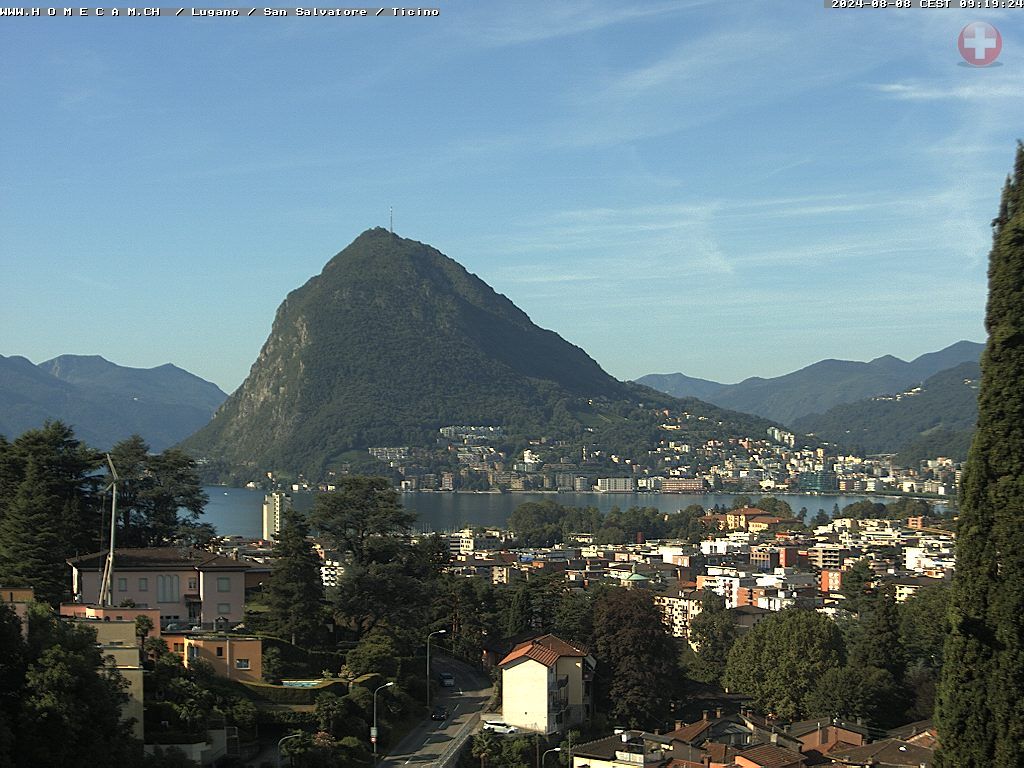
(980, 703)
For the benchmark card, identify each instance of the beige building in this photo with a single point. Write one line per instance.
(546, 685)
(119, 647)
(234, 657)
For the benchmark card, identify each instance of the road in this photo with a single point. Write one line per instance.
(427, 741)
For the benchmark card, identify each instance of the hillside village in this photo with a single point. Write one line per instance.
(682, 461)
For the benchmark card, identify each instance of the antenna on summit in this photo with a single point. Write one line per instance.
(391, 225)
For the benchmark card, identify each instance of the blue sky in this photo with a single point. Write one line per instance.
(723, 189)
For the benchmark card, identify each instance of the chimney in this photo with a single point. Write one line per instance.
(718, 713)
(704, 715)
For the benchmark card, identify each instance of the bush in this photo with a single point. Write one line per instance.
(279, 694)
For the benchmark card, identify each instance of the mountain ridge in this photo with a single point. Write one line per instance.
(819, 386)
(104, 402)
(936, 418)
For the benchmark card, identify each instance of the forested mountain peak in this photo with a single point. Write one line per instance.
(391, 341)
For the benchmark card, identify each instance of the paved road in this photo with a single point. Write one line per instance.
(427, 741)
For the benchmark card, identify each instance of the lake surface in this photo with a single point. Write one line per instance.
(237, 511)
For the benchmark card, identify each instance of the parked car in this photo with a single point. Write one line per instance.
(499, 727)
(446, 679)
(439, 713)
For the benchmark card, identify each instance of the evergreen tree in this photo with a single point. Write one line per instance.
(858, 587)
(48, 507)
(31, 551)
(295, 593)
(980, 701)
(361, 513)
(876, 638)
(153, 490)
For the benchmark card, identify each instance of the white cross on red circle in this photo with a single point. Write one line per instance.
(980, 43)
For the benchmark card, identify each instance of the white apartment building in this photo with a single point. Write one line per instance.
(274, 505)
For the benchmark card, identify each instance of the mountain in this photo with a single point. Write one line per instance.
(934, 419)
(822, 385)
(104, 402)
(393, 340)
(681, 385)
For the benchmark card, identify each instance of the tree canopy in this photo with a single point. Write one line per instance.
(777, 662)
(636, 658)
(295, 594)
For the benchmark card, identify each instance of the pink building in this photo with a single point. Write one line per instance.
(188, 587)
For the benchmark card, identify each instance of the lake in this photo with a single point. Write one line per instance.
(237, 511)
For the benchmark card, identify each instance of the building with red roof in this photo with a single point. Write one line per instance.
(546, 685)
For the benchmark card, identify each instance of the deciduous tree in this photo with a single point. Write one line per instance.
(636, 658)
(778, 662)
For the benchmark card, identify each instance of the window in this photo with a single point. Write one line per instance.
(122, 585)
(241, 663)
(167, 589)
(223, 583)
(143, 584)
(220, 650)
(223, 608)
(179, 647)
(193, 585)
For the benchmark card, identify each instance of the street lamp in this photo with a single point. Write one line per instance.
(373, 731)
(282, 741)
(436, 632)
(554, 749)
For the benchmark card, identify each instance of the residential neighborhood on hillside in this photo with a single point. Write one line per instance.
(468, 458)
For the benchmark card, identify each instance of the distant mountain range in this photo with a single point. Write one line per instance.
(934, 419)
(818, 387)
(105, 402)
(393, 340)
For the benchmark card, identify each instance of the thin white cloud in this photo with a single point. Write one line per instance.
(978, 91)
(533, 22)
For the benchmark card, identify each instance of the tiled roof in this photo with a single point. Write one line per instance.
(720, 753)
(771, 756)
(804, 727)
(691, 732)
(888, 752)
(156, 558)
(601, 749)
(547, 649)
(912, 729)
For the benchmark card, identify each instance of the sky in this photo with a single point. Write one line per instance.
(725, 189)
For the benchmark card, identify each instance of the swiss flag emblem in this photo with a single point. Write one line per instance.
(980, 43)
